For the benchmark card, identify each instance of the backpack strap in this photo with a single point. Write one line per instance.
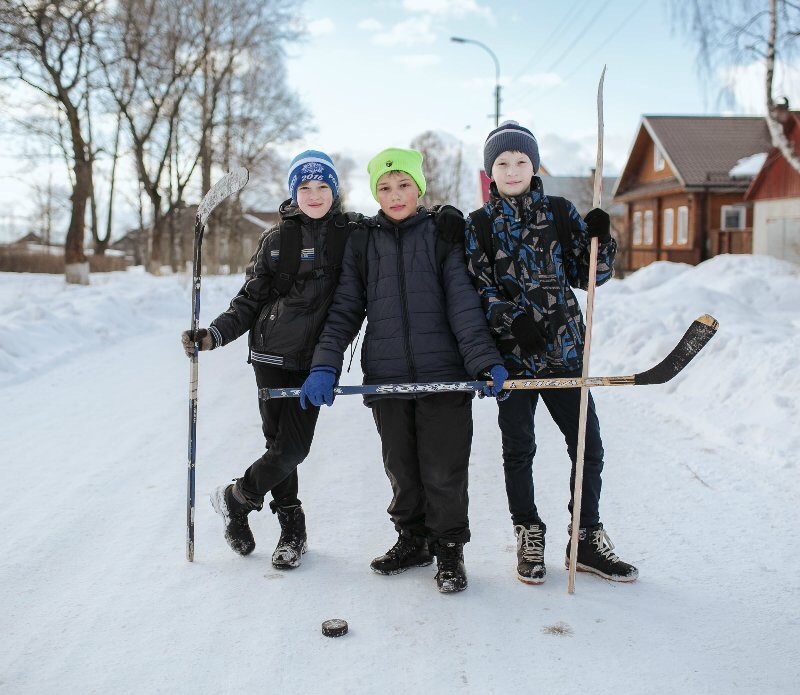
(291, 248)
(288, 258)
(484, 234)
(343, 224)
(561, 218)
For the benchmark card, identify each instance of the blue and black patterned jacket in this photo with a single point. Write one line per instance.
(532, 274)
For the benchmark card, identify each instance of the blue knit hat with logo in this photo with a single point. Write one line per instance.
(312, 165)
(510, 136)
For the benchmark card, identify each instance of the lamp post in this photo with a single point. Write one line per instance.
(458, 39)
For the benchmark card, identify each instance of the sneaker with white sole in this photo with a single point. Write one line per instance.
(530, 553)
(595, 555)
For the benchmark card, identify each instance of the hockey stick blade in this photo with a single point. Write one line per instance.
(694, 340)
(233, 182)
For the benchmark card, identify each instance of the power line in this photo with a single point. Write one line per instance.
(604, 42)
(555, 34)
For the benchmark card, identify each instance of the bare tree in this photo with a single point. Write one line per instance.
(446, 173)
(731, 32)
(47, 44)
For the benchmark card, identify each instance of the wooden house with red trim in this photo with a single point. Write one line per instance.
(775, 196)
(682, 202)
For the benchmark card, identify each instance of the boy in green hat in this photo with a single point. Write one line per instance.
(425, 324)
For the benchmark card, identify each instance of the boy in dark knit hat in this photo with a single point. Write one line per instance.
(539, 249)
(284, 323)
(424, 324)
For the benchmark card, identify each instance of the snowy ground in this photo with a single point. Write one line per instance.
(700, 492)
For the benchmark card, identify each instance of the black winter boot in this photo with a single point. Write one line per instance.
(292, 543)
(234, 517)
(451, 575)
(530, 553)
(595, 555)
(409, 551)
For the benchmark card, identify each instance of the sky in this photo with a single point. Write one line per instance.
(394, 73)
(700, 490)
(374, 74)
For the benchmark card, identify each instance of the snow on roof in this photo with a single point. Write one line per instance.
(748, 167)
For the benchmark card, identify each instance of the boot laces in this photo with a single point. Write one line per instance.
(531, 542)
(604, 545)
(449, 556)
(404, 546)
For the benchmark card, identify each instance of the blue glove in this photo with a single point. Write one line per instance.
(499, 375)
(318, 387)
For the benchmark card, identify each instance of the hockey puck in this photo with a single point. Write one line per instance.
(334, 628)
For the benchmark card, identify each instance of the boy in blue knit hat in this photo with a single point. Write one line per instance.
(424, 324)
(283, 303)
(526, 251)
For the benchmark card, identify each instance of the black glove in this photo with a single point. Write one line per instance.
(204, 338)
(598, 224)
(529, 334)
(450, 224)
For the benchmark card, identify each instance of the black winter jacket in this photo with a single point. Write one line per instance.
(283, 330)
(424, 323)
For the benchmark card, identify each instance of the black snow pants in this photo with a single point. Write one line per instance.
(426, 443)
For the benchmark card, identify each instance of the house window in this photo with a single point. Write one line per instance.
(648, 228)
(659, 160)
(683, 225)
(669, 227)
(637, 228)
(733, 217)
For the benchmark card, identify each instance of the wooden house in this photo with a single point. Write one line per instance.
(775, 195)
(682, 202)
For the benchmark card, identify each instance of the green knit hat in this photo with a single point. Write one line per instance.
(395, 159)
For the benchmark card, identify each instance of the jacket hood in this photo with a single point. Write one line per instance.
(520, 206)
(383, 221)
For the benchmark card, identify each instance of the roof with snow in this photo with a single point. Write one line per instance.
(700, 150)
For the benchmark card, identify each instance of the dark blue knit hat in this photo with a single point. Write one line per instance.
(312, 165)
(510, 136)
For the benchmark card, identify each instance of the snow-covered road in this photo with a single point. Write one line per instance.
(699, 492)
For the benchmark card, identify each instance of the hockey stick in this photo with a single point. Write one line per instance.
(587, 343)
(694, 340)
(231, 183)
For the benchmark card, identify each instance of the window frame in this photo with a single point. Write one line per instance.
(647, 228)
(659, 163)
(740, 209)
(637, 228)
(683, 214)
(668, 240)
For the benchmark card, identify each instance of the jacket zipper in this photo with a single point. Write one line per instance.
(404, 306)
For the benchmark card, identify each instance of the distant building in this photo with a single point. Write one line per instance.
(775, 195)
(683, 203)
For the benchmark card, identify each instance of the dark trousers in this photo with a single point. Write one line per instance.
(426, 444)
(288, 430)
(516, 415)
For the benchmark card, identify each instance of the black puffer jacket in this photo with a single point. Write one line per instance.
(283, 330)
(424, 323)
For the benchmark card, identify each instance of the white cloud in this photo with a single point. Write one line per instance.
(455, 8)
(321, 26)
(541, 79)
(370, 24)
(407, 33)
(422, 60)
(744, 84)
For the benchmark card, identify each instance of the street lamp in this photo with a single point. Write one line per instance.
(458, 39)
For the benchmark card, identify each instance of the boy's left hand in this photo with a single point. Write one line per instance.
(598, 224)
(499, 374)
(450, 224)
